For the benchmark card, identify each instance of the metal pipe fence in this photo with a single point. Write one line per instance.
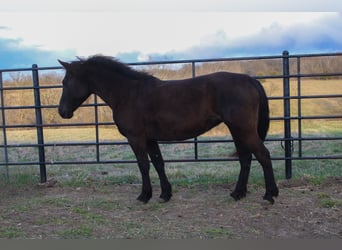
(291, 72)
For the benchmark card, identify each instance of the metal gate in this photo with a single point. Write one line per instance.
(291, 71)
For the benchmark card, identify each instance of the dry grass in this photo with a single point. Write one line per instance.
(273, 87)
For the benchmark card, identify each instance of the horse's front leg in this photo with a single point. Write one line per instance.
(158, 163)
(140, 151)
(240, 191)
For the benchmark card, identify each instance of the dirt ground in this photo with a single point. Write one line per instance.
(302, 211)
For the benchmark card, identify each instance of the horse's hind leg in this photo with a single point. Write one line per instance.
(247, 142)
(263, 156)
(158, 163)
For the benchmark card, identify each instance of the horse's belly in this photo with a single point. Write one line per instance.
(181, 130)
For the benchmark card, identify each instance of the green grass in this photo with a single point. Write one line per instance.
(9, 232)
(59, 202)
(80, 232)
(70, 217)
(219, 233)
(89, 216)
(179, 173)
(326, 201)
(188, 174)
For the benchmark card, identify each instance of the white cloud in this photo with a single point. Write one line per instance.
(170, 5)
(149, 32)
(318, 36)
(141, 35)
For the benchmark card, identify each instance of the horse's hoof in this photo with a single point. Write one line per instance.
(142, 201)
(144, 198)
(238, 195)
(269, 198)
(164, 198)
(161, 200)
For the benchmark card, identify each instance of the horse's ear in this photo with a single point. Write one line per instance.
(80, 58)
(64, 64)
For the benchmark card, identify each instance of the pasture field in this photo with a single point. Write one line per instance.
(103, 210)
(98, 200)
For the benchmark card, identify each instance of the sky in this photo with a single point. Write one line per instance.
(40, 31)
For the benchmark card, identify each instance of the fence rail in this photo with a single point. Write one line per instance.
(290, 135)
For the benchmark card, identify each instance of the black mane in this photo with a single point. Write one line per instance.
(101, 63)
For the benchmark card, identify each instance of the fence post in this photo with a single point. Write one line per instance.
(299, 105)
(287, 115)
(3, 123)
(193, 69)
(97, 131)
(39, 123)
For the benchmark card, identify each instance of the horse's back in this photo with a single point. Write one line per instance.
(210, 93)
(228, 89)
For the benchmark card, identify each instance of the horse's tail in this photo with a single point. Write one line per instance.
(264, 112)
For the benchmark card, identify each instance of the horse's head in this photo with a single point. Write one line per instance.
(75, 89)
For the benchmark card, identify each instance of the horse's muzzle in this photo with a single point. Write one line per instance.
(65, 114)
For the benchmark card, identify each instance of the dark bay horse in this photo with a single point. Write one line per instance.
(147, 110)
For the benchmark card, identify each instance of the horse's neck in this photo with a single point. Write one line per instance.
(113, 93)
